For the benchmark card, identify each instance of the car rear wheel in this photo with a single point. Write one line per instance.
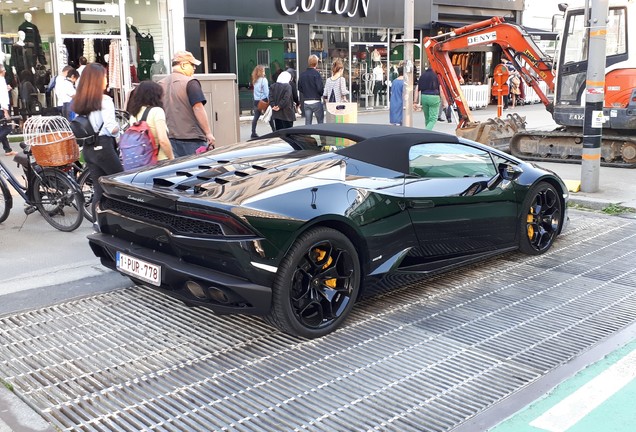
(541, 219)
(316, 285)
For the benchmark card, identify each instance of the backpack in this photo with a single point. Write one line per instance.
(137, 146)
(83, 130)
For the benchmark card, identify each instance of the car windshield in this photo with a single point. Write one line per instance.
(319, 142)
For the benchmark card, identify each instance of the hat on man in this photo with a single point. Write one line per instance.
(185, 56)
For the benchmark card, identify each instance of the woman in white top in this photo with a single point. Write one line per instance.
(149, 94)
(336, 86)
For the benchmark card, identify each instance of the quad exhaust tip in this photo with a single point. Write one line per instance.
(210, 293)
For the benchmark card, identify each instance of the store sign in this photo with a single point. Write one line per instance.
(482, 39)
(84, 8)
(349, 8)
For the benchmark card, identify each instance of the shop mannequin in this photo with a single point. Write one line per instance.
(378, 82)
(132, 41)
(32, 39)
(22, 56)
(375, 56)
(157, 68)
(21, 37)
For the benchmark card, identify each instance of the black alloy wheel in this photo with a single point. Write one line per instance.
(317, 284)
(541, 219)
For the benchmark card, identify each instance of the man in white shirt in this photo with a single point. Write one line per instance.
(65, 88)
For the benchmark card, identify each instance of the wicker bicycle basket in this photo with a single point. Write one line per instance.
(51, 139)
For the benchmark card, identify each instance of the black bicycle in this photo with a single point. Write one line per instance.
(49, 190)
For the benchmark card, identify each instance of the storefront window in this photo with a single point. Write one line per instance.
(273, 46)
(67, 31)
(369, 77)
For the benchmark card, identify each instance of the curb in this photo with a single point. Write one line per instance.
(17, 416)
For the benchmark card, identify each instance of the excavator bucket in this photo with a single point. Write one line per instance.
(495, 132)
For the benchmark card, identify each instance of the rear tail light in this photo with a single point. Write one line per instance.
(230, 225)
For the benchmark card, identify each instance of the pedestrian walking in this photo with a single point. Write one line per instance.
(428, 90)
(336, 85)
(294, 85)
(396, 107)
(149, 95)
(101, 156)
(514, 86)
(312, 88)
(183, 101)
(282, 102)
(5, 106)
(261, 94)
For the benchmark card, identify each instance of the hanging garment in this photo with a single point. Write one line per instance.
(146, 45)
(114, 64)
(89, 50)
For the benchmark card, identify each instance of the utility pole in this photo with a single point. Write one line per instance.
(594, 95)
(408, 39)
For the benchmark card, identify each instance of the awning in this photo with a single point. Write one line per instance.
(451, 24)
(541, 34)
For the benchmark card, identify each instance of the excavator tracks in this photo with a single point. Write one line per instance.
(567, 146)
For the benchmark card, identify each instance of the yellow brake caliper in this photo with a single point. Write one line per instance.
(530, 221)
(320, 255)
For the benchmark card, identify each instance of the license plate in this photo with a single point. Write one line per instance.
(140, 269)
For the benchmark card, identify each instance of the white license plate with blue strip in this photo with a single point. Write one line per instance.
(140, 269)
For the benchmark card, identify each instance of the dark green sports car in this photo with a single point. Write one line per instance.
(298, 224)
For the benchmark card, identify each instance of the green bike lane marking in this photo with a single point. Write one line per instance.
(599, 398)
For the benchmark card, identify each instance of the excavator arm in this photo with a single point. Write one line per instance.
(516, 44)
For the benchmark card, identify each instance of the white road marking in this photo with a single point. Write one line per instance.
(573, 408)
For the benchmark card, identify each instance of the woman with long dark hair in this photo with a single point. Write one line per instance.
(101, 157)
(148, 96)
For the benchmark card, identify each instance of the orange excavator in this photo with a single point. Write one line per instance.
(565, 77)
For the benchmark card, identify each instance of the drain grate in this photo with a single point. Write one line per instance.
(426, 357)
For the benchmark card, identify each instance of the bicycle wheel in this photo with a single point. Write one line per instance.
(85, 183)
(6, 200)
(58, 200)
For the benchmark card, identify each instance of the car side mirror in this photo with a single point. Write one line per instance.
(504, 172)
(509, 172)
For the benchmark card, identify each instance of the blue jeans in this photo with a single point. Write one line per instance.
(186, 147)
(4, 132)
(317, 109)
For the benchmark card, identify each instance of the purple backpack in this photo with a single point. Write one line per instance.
(137, 146)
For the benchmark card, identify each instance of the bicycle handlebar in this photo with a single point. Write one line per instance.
(5, 120)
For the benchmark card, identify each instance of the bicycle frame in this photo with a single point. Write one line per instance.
(15, 184)
(25, 190)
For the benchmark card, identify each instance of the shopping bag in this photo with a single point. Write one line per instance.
(267, 115)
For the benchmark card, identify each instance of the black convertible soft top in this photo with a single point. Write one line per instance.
(383, 145)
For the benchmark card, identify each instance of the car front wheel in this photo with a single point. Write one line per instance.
(541, 219)
(316, 285)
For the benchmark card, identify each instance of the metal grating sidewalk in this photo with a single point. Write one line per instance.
(424, 358)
